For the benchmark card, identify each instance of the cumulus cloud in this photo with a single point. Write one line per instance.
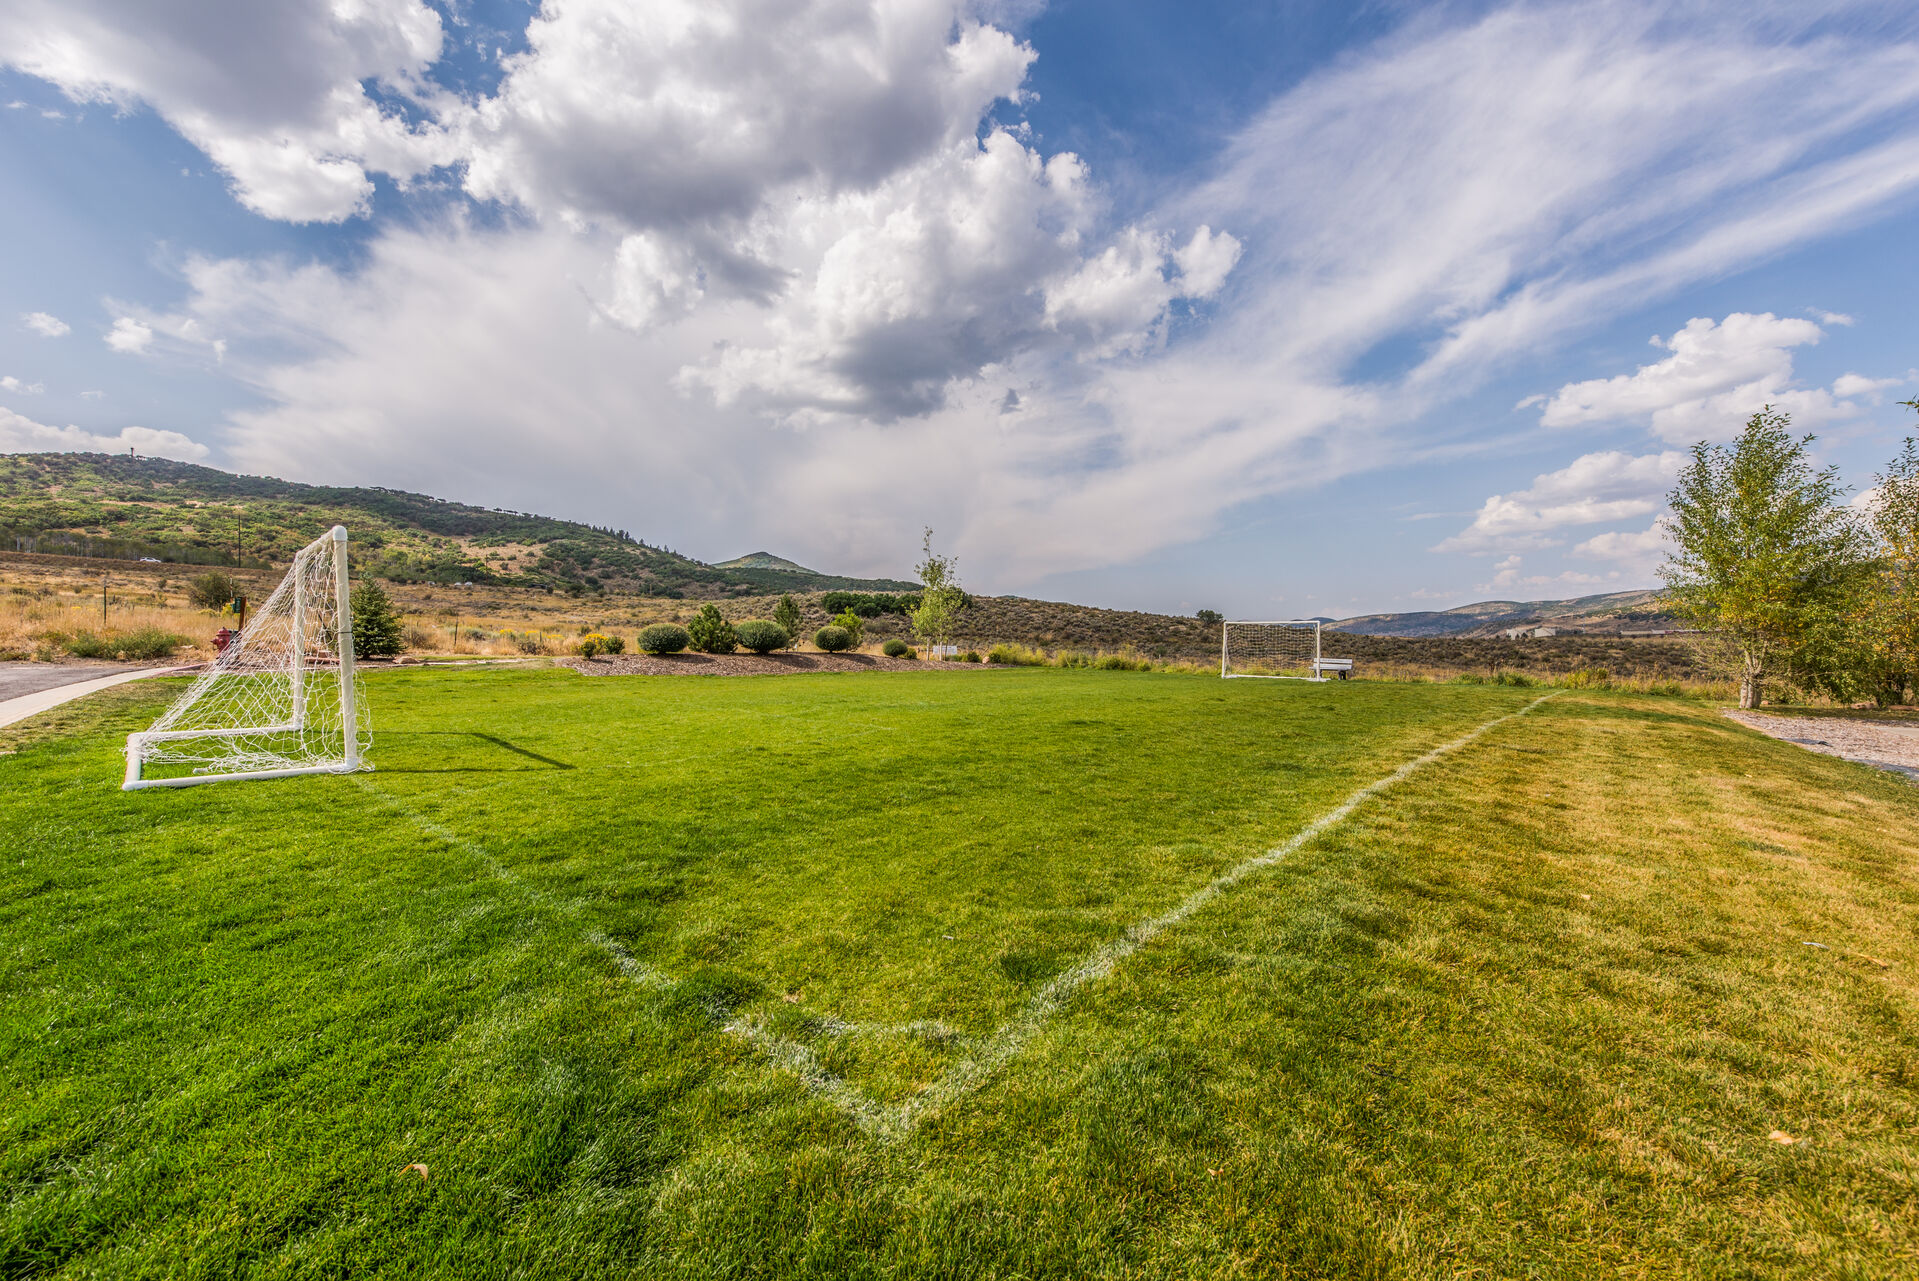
(21, 435)
(12, 384)
(1604, 486)
(808, 250)
(275, 94)
(1848, 385)
(129, 336)
(45, 325)
(1634, 554)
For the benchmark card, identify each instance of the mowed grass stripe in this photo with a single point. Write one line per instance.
(228, 1021)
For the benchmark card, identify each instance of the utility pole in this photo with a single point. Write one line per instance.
(103, 602)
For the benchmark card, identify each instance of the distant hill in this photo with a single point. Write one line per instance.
(765, 560)
(103, 505)
(1607, 614)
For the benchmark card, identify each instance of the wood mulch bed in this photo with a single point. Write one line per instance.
(751, 664)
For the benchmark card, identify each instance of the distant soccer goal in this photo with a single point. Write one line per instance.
(281, 699)
(1284, 650)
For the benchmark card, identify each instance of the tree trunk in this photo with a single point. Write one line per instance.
(1750, 690)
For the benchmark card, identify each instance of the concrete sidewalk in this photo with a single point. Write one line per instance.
(27, 689)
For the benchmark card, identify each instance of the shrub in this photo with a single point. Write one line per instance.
(1016, 656)
(530, 643)
(376, 627)
(760, 636)
(148, 643)
(869, 604)
(970, 656)
(896, 648)
(852, 623)
(87, 645)
(1518, 680)
(710, 633)
(417, 637)
(664, 638)
(833, 638)
(212, 590)
(1588, 678)
(600, 643)
(1121, 663)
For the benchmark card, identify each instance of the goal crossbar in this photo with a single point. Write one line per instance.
(1282, 649)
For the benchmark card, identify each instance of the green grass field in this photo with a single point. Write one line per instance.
(874, 976)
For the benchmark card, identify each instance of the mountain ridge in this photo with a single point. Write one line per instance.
(112, 507)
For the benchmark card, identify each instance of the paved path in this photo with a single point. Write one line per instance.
(27, 689)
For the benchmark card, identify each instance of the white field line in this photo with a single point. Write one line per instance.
(895, 1122)
(969, 1074)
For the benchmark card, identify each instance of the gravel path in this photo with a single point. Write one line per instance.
(1881, 744)
(751, 664)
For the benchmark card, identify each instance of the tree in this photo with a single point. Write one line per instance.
(852, 623)
(1765, 556)
(376, 627)
(1889, 631)
(711, 633)
(940, 596)
(1210, 616)
(787, 616)
(213, 590)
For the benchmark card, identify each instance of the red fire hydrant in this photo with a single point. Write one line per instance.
(223, 638)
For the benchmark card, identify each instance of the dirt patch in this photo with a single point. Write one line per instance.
(1881, 744)
(751, 664)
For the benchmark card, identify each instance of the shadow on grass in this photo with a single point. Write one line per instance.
(544, 761)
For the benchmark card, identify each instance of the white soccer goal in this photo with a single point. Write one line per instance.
(280, 700)
(1285, 650)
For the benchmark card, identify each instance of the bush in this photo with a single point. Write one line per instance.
(1588, 678)
(213, 590)
(147, 643)
(760, 636)
(1518, 680)
(833, 638)
(710, 633)
(664, 638)
(896, 648)
(851, 622)
(142, 644)
(594, 643)
(970, 656)
(376, 627)
(417, 637)
(1016, 656)
(1121, 663)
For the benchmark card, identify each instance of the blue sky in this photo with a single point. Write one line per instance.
(1276, 309)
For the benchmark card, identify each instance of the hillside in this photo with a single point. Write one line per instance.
(765, 560)
(106, 506)
(1608, 614)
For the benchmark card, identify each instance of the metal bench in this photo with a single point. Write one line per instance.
(1340, 667)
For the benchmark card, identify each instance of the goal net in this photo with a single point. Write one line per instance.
(280, 699)
(1285, 649)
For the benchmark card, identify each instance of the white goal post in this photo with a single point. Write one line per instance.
(280, 700)
(1286, 650)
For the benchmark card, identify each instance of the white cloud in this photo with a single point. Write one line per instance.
(747, 269)
(129, 336)
(1829, 317)
(12, 384)
(1605, 486)
(1857, 385)
(92, 395)
(273, 93)
(21, 435)
(46, 326)
(1634, 554)
(1719, 375)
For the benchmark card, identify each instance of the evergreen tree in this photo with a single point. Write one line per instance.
(711, 633)
(376, 626)
(789, 619)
